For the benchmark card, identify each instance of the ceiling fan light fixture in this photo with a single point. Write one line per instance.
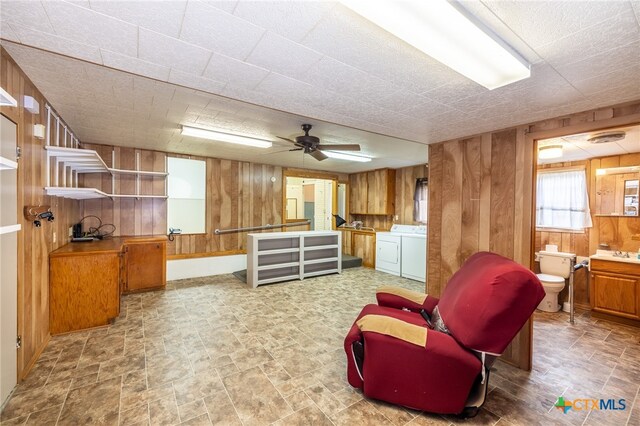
(348, 157)
(225, 137)
(549, 152)
(448, 33)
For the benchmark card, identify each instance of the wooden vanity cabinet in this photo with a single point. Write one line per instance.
(144, 265)
(615, 288)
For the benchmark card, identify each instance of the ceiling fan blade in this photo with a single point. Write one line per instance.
(296, 149)
(318, 155)
(351, 147)
(286, 139)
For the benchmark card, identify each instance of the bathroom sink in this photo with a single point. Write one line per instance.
(611, 255)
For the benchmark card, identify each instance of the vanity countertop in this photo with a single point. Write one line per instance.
(610, 255)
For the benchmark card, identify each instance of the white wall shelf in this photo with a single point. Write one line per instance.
(285, 256)
(6, 164)
(71, 162)
(10, 228)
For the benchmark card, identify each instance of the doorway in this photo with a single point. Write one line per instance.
(310, 199)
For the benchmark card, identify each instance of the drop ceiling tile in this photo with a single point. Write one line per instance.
(172, 53)
(161, 16)
(135, 65)
(26, 13)
(7, 33)
(228, 6)
(636, 9)
(219, 31)
(283, 56)
(602, 63)
(628, 77)
(615, 32)
(58, 44)
(196, 82)
(229, 70)
(336, 76)
(89, 27)
(191, 97)
(290, 19)
(543, 22)
(421, 107)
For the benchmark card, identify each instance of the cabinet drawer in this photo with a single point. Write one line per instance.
(613, 267)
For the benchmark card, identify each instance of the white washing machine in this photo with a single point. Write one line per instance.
(403, 251)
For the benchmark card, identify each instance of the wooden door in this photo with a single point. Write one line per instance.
(145, 265)
(616, 294)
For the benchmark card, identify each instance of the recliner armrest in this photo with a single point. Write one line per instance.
(402, 298)
(394, 327)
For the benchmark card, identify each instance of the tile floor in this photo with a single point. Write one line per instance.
(212, 351)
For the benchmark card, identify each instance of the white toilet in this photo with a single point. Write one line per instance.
(555, 267)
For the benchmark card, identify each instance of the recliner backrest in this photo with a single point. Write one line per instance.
(488, 300)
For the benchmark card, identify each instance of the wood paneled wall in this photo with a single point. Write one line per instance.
(34, 244)
(404, 191)
(481, 198)
(239, 194)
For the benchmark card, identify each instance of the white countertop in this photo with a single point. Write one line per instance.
(292, 234)
(609, 255)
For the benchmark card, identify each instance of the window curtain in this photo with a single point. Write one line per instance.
(562, 200)
(420, 200)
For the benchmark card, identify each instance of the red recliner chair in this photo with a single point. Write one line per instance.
(434, 355)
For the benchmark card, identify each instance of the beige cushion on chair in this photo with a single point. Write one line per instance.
(411, 295)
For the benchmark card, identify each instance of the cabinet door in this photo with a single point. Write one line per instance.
(358, 193)
(381, 189)
(363, 245)
(616, 294)
(145, 265)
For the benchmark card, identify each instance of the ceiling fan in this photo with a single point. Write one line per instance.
(311, 145)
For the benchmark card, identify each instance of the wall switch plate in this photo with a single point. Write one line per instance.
(55, 237)
(70, 232)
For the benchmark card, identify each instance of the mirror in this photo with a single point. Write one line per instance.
(617, 191)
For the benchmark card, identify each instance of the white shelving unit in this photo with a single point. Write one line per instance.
(6, 164)
(70, 162)
(285, 256)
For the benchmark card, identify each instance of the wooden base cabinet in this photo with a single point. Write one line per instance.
(144, 265)
(86, 279)
(84, 291)
(615, 288)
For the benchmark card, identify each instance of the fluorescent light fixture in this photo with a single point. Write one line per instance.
(550, 151)
(349, 157)
(225, 137)
(6, 99)
(449, 34)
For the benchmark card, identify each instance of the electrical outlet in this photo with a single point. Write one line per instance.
(396, 217)
(54, 237)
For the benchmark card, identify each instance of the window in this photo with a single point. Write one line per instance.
(562, 201)
(186, 189)
(420, 196)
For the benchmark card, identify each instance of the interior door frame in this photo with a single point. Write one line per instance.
(531, 139)
(309, 174)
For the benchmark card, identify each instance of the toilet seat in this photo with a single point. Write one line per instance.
(552, 279)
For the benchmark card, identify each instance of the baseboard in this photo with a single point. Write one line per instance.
(36, 356)
(615, 318)
(179, 269)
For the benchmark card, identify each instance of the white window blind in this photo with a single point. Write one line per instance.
(420, 197)
(562, 201)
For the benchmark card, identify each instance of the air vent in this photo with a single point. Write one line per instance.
(607, 137)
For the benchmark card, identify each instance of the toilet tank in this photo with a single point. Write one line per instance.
(556, 263)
